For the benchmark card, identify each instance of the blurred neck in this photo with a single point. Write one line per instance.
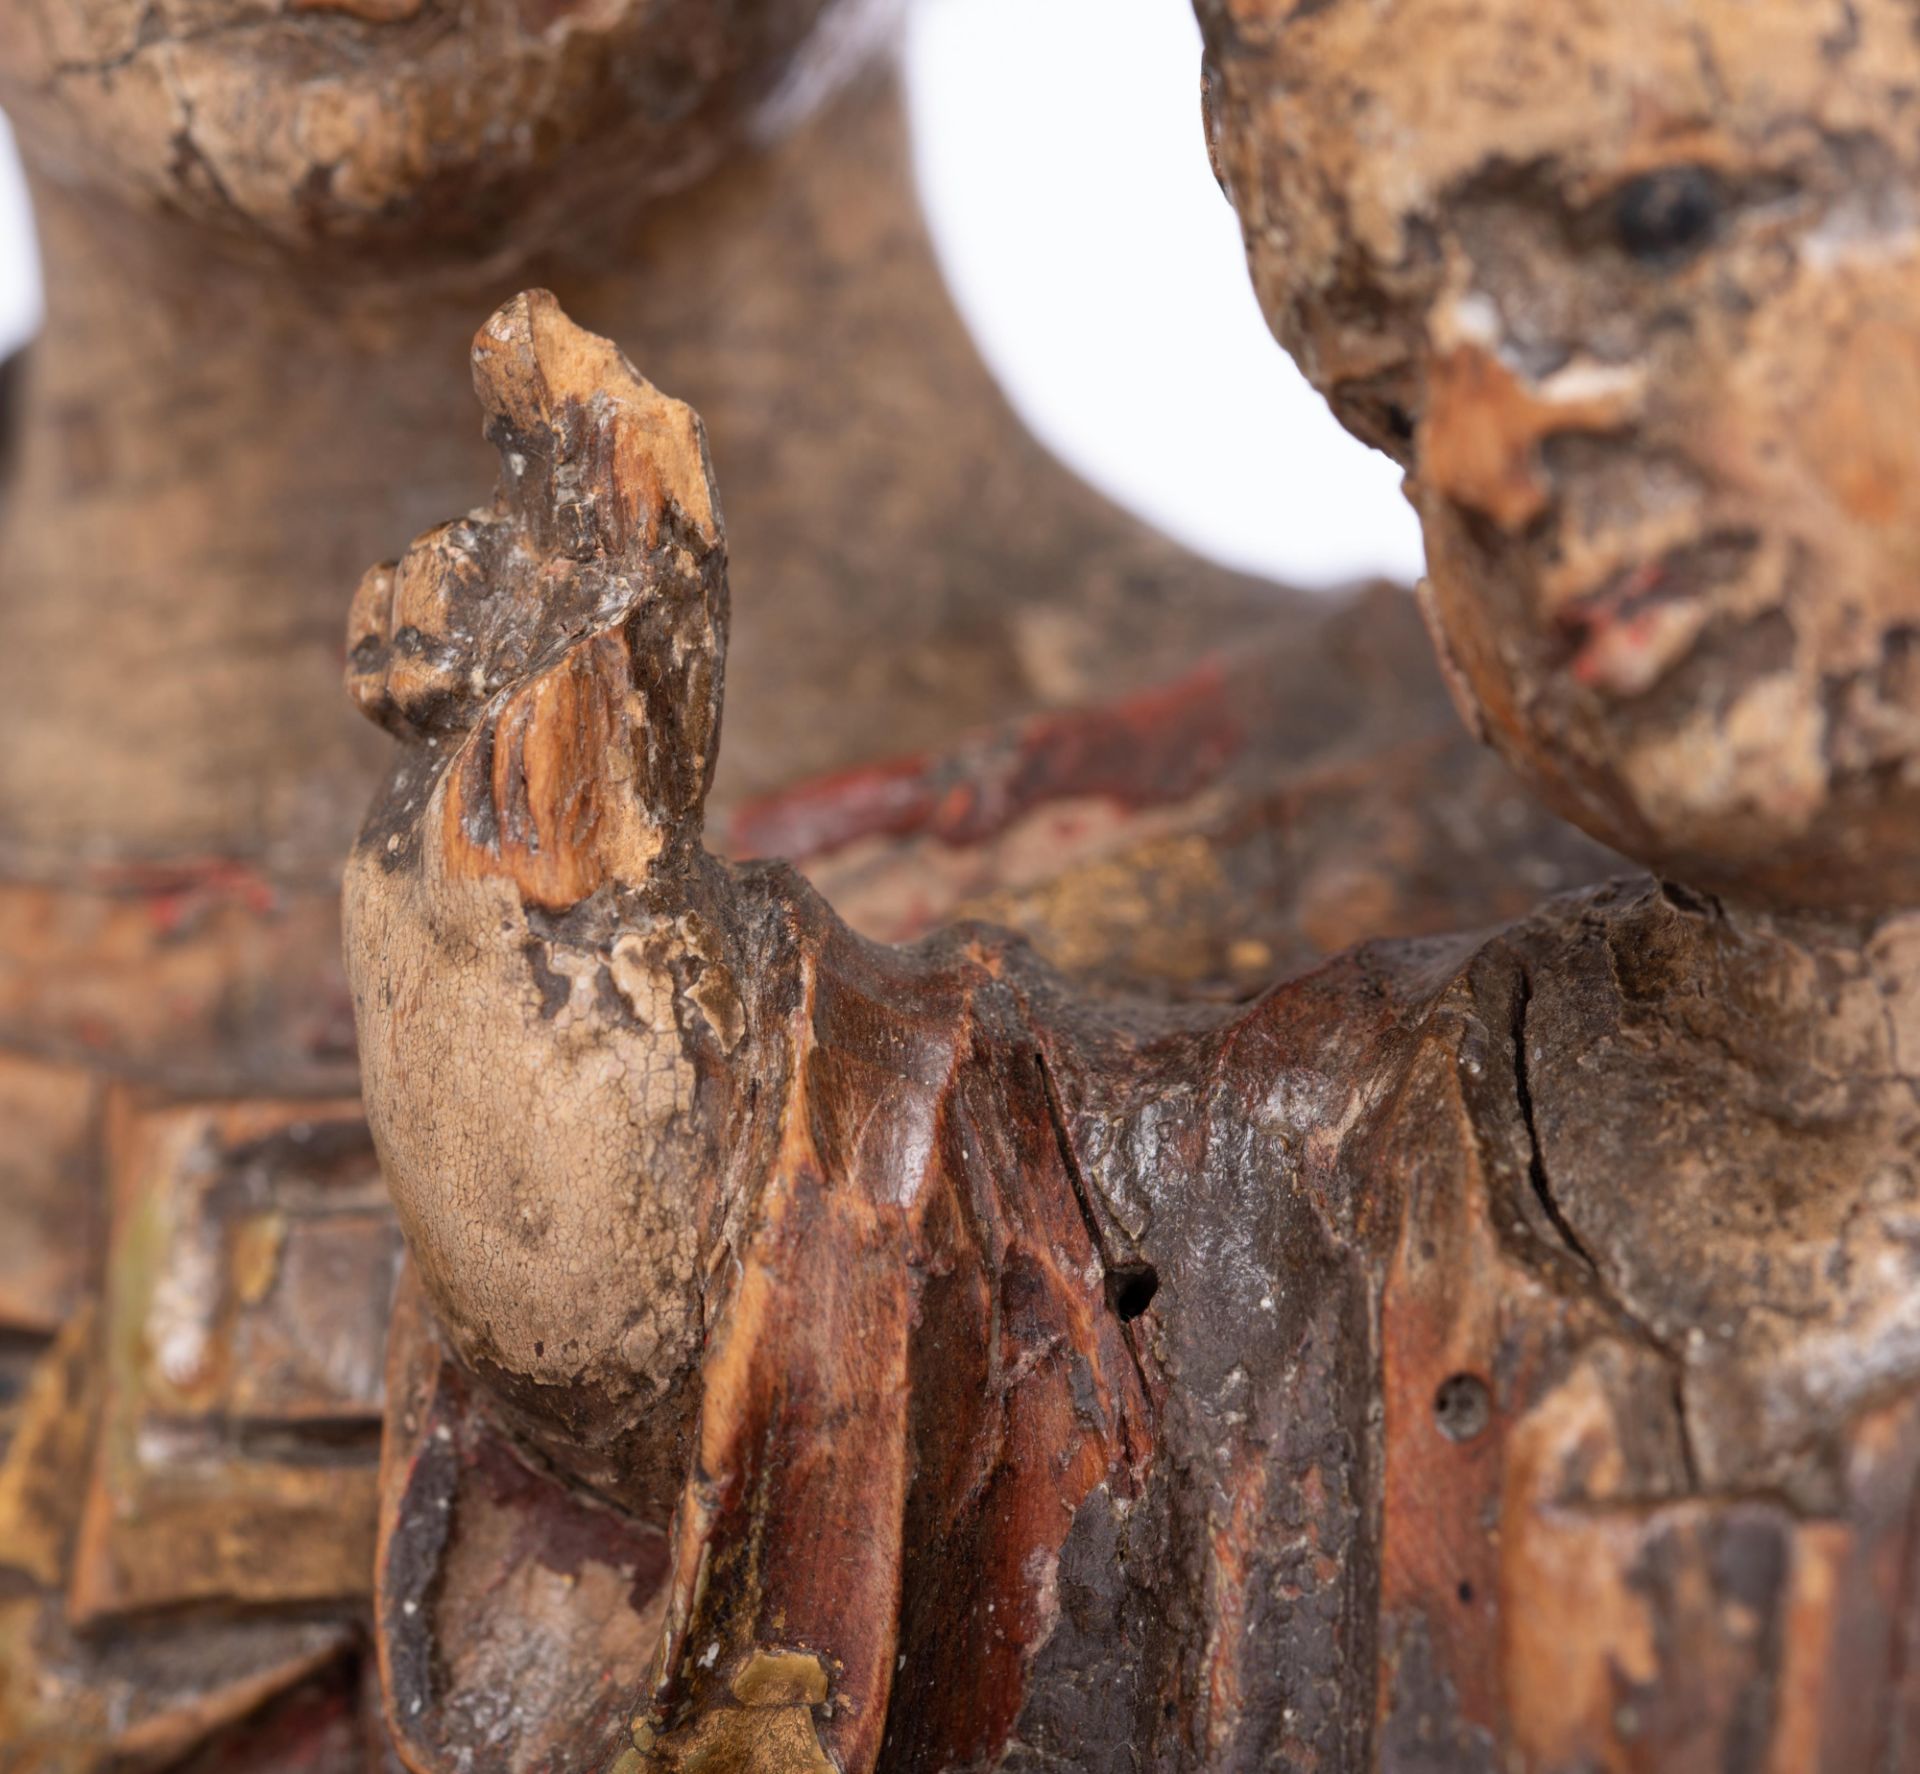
(208, 453)
(213, 451)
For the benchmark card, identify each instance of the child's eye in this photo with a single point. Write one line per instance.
(1666, 217)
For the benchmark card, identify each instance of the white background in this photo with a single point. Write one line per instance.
(1059, 147)
(19, 268)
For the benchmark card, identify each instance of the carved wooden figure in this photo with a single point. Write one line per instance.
(1491, 1352)
(962, 680)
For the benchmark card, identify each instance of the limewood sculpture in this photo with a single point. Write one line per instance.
(1497, 1352)
(267, 231)
(1150, 1322)
(1472, 1352)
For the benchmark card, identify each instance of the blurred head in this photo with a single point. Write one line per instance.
(1634, 291)
(395, 129)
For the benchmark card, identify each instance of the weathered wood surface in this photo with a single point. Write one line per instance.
(1338, 1378)
(1298, 795)
(251, 384)
(1478, 1352)
(365, 132)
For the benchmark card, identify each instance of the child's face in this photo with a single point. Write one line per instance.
(1634, 290)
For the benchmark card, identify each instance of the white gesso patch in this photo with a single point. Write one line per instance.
(1064, 170)
(19, 259)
